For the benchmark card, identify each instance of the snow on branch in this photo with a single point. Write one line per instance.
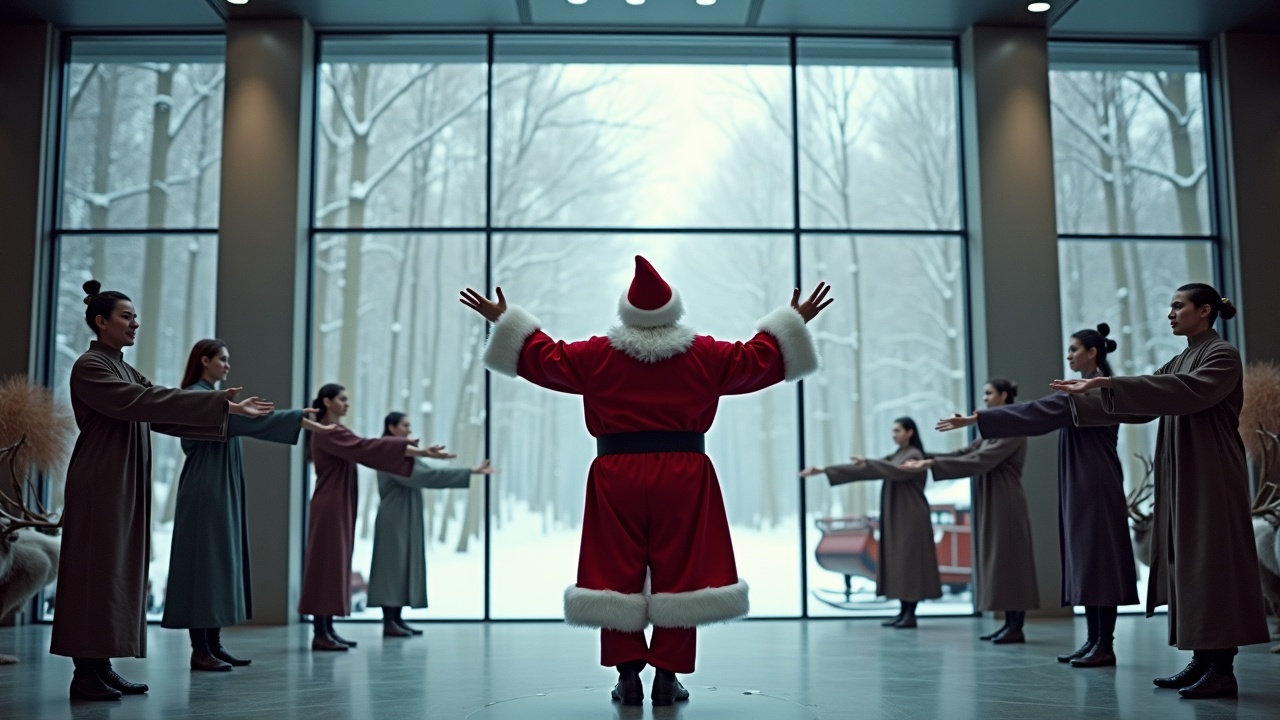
(202, 94)
(1093, 135)
(1173, 111)
(1182, 182)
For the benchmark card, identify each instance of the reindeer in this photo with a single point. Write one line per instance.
(1139, 515)
(28, 550)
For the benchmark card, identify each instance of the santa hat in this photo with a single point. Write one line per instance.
(650, 301)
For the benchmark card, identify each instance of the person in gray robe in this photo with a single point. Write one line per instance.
(398, 575)
(209, 584)
(1006, 571)
(100, 611)
(1098, 568)
(1204, 564)
(907, 570)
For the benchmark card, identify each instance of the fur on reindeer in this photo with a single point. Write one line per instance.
(34, 435)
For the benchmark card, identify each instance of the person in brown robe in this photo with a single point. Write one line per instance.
(1006, 572)
(1098, 568)
(1204, 563)
(331, 528)
(907, 570)
(100, 611)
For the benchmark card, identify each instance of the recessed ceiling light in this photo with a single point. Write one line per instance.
(1038, 7)
(238, 2)
(577, 2)
(706, 2)
(635, 2)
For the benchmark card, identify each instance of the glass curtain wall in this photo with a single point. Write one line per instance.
(543, 163)
(137, 208)
(1133, 175)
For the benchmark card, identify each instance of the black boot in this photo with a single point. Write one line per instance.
(998, 632)
(216, 649)
(893, 621)
(1013, 632)
(391, 626)
(629, 690)
(321, 639)
(1101, 654)
(1091, 622)
(114, 681)
(335, 635)
(1190, 675)
(1219, 681)
(87, 685)
(908, 618)
(201, 657)
(667, 690)
(404, 625)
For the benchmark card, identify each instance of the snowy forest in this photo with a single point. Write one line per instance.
(420, 191)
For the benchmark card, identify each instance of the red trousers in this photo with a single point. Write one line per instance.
(671, 648)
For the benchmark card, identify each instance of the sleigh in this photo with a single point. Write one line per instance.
(851, 547)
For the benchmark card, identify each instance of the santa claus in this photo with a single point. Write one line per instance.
(655, 539)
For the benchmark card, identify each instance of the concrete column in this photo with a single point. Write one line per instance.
(1013, 247)
(27, 58)
(1248, 102)
(263, 277)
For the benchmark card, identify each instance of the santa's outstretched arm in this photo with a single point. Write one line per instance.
(517, 347)
(783, 349)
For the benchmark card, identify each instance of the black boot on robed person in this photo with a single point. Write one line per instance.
(329, 626)
(1013, 631)
(201, 657)
(115, 682)
(629, 690)
(1102, 654)
(999, 631)
(321, 639)
(1091, 621)
(907, 620)
(216, 649)
(404, 625)
(667, 690)
(1219, 681)
(893, 621)
(86, 685)
(391, 626)
(1188, 676)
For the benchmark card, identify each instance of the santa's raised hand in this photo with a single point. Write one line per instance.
(486, 307)
(810, 308)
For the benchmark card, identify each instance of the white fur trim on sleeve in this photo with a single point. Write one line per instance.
(799, 352)
(610, 609)
(700, 607)
(502, 353)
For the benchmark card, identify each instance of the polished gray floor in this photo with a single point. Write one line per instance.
(831, 669)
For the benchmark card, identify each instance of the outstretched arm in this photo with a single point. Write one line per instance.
(517, 346)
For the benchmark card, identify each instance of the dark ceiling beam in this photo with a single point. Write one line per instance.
(1059, 9)
(753, 12)
(217, 7)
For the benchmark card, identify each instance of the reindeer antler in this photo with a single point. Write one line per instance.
(26, 518)
(1141, 494)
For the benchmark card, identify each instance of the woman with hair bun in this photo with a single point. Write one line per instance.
(101, 607)
(1002, 525)
(1204, 564)
(331, 527)
(1098, 570)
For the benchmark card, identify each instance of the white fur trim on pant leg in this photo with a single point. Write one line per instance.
(700, 607)
(668, 314)
(799, 352)
(502, 353)
(605, 609)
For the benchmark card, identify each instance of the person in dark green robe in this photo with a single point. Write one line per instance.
(398, 576)
(208, 587)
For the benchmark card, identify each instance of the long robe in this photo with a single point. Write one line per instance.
(100, 610)
(398, 576)
(1006, 571)
(908, 565)
(331, 528)
(1093, 516)
(209, 584)
(1204, 564)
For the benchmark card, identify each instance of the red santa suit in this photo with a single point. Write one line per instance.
(650, 389)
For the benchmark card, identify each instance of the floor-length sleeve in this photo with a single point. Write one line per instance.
(106, 393)
(1026, 419)
(381, 453)
(1180, 393)
(982, 460)
(281, 426)
(426, 477)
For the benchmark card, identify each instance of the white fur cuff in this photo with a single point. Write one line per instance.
(605, 609)
(799, 352)
(502, 353)
(700, 607)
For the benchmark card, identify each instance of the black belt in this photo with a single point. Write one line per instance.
(655, 441)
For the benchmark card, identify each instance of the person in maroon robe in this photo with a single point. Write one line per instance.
(331, 527)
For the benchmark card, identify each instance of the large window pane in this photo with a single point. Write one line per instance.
(143, 133)
(641, 132)
(572, 284)
(397, 338)
(1128, 285)
(1129, 140)
(402, 127)
(878, 139)
(893, 344)
(175, 307)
